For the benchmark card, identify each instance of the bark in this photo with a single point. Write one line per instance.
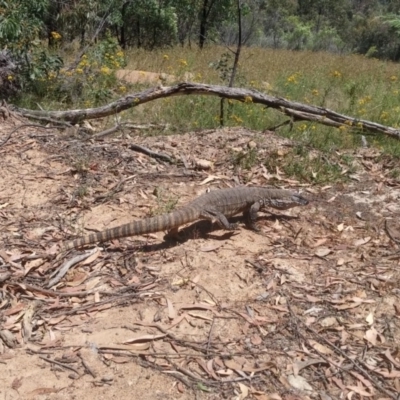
(296, 110)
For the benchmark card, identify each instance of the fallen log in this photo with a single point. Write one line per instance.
(298, 111)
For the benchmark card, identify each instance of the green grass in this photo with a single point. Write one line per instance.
(165, 202)
(352, 85)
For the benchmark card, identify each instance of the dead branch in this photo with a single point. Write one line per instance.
(151, 153)
(304, 111)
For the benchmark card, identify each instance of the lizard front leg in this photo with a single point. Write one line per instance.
(250, 216)
(220, 218)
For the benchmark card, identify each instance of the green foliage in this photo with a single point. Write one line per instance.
(224, 66)
(298, 33)
(308, 166)
(165, 202)
(21, 21)
(145, 23)
(93, 80)
(327, 38)
(21, 25)
(244, 159)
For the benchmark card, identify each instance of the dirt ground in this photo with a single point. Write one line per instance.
(306, 309)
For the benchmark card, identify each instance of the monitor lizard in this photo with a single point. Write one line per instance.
(215, 205)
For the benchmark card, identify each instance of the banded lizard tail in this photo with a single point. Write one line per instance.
(216, 206)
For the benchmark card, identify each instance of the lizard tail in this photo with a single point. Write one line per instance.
(140, 227)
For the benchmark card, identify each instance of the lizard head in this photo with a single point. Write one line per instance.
(286, 202)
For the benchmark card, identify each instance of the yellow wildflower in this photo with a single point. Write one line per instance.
(364, 100)
(237, 119)
(105, 70)
(55, 35)
(336, 74)
(384, 115)
(292, 79)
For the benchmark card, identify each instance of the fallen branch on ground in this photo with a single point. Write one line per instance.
(294, 109)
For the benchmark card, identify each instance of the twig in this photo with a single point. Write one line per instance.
(86, 366)
(115, 189)
(106, 132)
(151, 153)
(59, 364)
(64, 268)
(275, 127)
(187, 372)
(169, 334)
(118, 300)
(51, 293)
(209, 335)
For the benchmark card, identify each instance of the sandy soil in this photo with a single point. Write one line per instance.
(308, 308)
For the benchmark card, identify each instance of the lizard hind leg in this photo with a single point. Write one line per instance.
(173, 234)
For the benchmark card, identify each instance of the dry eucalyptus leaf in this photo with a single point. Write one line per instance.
(171, 310)
(211, 247)
(329, 321)
(224, 372)
(244, 391)
(371, 335)
(92, 257)
(322, 252)
(298, 382)
(370, 318)
(8, 338)
(144, 338)
(362, 241)
(320, 347)
(256, 340)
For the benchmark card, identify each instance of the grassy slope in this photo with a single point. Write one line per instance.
(352, 85)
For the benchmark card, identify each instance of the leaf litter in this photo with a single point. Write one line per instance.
(307, 308)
